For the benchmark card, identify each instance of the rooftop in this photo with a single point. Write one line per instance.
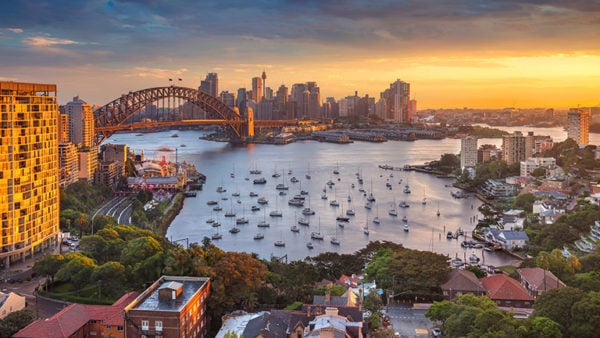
(463, 280)
(504, 287)
(541, 279)
(73, 317)
(149, 300)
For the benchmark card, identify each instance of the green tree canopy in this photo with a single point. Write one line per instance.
(137, 250)
(49, 265)
(556, 305)
(585, 315)
(111, 277)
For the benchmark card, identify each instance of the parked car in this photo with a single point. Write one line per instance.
(436, 332)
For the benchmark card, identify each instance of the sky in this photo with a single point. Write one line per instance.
(469, 53)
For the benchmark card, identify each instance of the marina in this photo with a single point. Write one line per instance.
(353, 181)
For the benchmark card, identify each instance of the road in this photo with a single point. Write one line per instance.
(119, 208)
(409, 322)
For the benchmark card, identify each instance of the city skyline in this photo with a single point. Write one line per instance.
(476, 54)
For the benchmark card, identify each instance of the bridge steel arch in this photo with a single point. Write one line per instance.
(118, 111)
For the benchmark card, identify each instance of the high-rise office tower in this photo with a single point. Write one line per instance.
(210, 84)
(468, 152)
(516, 147)
(241, 101)
(257, 89)
(314, 100)
(29, 191)
(227, 98)
(279, 108)
(299, 95)
(82, 133)
(578, 125)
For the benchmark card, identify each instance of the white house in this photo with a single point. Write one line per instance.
(10, 302)
(509, 239)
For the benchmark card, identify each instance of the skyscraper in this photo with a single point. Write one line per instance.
(29, 193)
(279, 108)
(210, 85)
(314, 100)
(257, 89)
(81, 123)
(578, 125)
(227, 98)
(82, 133)
(468, 151)
(240, 101)
(299, 95)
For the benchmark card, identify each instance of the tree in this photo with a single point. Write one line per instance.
(525, 202)
(139, 249)
(15, 321)
(589, 281)
(82, 223)
(556, 305)
(411, 275)
(372, 302)
(585, 315)
(78, 270)
(441, 311)
(49, 265)
(545, 327)
(538, 172)
(111, 278)
(237, 276)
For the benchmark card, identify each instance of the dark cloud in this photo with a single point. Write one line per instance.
(127, 30)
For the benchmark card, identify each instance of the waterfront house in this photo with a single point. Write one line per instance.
(506, 292)
(498, 188)
(461, 281)
(538, 280)
(548, 213)
(509, 239)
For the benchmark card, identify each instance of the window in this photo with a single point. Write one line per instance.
(158, 325)
(145, 325)
(120, 328)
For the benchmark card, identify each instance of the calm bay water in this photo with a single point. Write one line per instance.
(219, 160)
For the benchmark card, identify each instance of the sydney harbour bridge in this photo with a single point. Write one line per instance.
(124, 113)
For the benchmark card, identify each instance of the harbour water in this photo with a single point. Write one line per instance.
(229, 167)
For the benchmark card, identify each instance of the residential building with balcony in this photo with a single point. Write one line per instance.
(29, 170)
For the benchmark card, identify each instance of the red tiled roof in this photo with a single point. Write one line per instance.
(463, 281)
(502, 287)
(73, 317)
(540, 279)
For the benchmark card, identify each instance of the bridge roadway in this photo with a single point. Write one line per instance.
(155, 124)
